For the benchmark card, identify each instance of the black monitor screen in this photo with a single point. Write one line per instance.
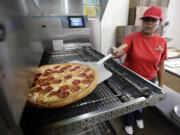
(76, 21)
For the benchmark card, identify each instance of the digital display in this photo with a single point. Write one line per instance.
(76, 21)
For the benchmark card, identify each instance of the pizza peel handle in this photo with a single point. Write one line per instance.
(101, 61)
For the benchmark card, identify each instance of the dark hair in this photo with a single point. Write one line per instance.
(153, 19)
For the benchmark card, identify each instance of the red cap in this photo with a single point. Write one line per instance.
(154, 12)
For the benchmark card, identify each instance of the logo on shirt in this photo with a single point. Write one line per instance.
(159, 48)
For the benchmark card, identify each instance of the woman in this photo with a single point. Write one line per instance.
(146, 52)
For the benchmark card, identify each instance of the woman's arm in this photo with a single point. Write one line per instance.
(161, 73)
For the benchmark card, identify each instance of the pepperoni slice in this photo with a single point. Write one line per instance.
(50, 78)
(33, 84)
(56, 67)
(37, 89)
(86, 81)
(53, 93)
(44, 83)
(68, 77)
(75, 88)
(45, 74)
(68, 66)
(36, 79)
(55, 71)
(82, 74)
(63, 94)
(76, 67)
(46, 90)
(60, 71)
(57, 81)
(64, 87)
(37, 74)
(75, 82)
(87, 70)
(48, 70)
(73, 69)
(90, 76)
(63, 68)
(41, 80)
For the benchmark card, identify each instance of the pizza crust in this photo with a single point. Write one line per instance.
(73, 97)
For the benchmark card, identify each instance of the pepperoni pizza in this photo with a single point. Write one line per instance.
(57, 85)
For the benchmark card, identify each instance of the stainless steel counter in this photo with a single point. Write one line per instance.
(166, 106)
(174, 71)
(173, 66)
(172, 78)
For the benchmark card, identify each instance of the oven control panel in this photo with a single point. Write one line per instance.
(70, 22)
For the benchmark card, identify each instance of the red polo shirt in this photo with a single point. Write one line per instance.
(144, 53)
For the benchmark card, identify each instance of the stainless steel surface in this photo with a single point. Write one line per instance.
(30, 26)
(173, 66)
(167, 105)
(62, 7)
(88, 119)
(65, 7)
(16, 8)
(48, 28)
(103, 128)
(177, 111)
(18, 58)
(174, 71)
(122, 93)
(175, 114)
(55, 7)
(173, 63)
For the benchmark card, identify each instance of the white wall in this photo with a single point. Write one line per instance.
(173, 30)
(95, 26)
(116, 14)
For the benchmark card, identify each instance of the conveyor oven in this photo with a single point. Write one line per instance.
(124, 92)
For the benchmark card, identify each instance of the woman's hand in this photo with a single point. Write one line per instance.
(118, 52)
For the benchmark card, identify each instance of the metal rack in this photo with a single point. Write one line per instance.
(124, 92)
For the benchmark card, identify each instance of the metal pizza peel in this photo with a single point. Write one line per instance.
(104, 74)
